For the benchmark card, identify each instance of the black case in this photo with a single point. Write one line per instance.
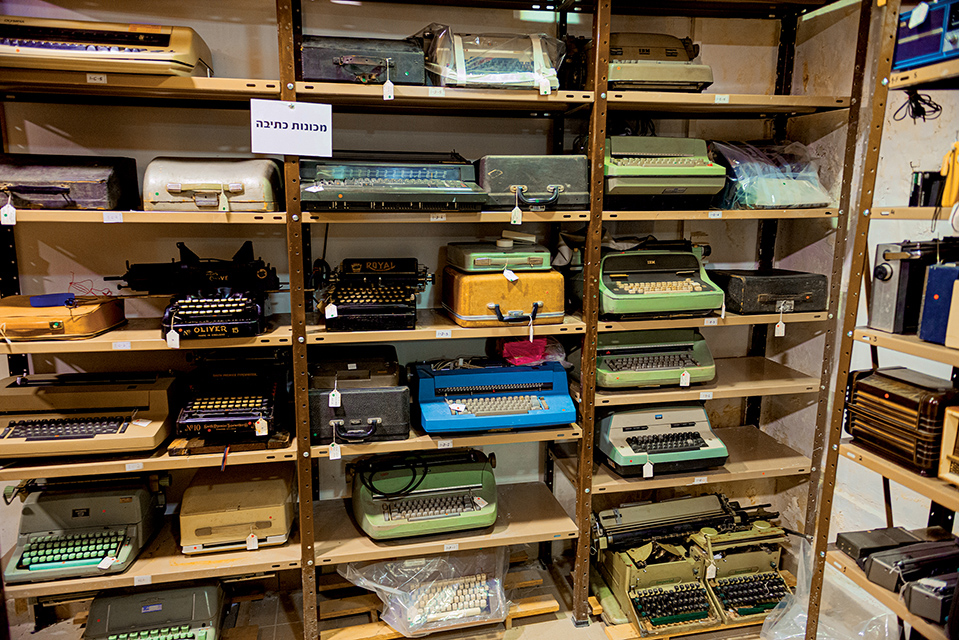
(359, 410)
(767, 290)
(328, 59)
(860, 544)
(890, 569)
(68, 182)
(929, 601)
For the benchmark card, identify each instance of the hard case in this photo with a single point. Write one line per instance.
(937, 299)
(503, 254)
(771, 290)
(364, 60)
(544, 182)
(31, 181)
(87, 318)
(491, 300)
(365, 415)
(931, 598)
(212, 184)
(892, 568)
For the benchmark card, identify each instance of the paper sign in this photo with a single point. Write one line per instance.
(260, 427)
(121, 346)
(648, 470)
(334, 399)
(330, 311)
(721, 98)
(709, 322)
(291, 128)
(173, 339)
(133, 466)
(444, 444)
(8, 215)
(112, 217)
(453, 546)
(139, 581)
(334, 451)
(685, 379)
(252, 542)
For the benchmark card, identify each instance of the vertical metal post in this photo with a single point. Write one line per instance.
(9, 269)
(785, 57)
(823, 481)
(591, 290)
(289, 34)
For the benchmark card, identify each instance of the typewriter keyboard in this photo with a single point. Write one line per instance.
(487, 65)
(750, 594)
(70, 550)
(64, 428)
(166, 633)
(667, 442)
(648, 363)
(669, 286)
(211, 308)
(500, 405)
(671, 605)
(221, 404)
(429, 508)
(68, 46)
(640, 161)
(454, 599)
(373, 295)
(419, 183)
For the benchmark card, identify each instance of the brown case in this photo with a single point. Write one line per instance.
(491, 300)
(89, 317)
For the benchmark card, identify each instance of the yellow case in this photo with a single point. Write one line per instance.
(473, 299)
(90, 317)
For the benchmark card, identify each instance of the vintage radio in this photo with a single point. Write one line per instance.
(641, 165)
(898, 277)
(937, 300)
(58, 316)
(892, 568)
(933, 40)
(771, 290)
(33, 181)
(193, 612)
(949, 450)
(535, 183)
(653, 358)
(656, 62)
(502, 298)
(506, 253)
(362, 60)
(374, 294)
(931, 598)
(212, 184)
(860, 544)
(899, 413)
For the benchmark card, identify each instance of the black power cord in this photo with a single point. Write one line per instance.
(919, 106)
(369, 467)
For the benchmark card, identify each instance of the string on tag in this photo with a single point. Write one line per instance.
(531, 327)
(3, 333)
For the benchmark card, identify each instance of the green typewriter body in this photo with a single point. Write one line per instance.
(653, 358)
(426, 493)
(648, 165)
(186, 613)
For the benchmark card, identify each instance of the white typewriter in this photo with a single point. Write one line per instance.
(656, 62)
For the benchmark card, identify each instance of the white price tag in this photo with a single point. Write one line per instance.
(112, 217)
(334, 451)
(252, 542)
(121, 346)
(438, 217)
(723, 309)
(436, 92)
(648, 470)
(173, 339)
(260, 427)
(516, 216)
(510, 275)
(388, 90)
(452, 546)
(700, 480)
(706, 395)
(96, 78)
(851, 455)
(544, 86)
(8, 215)
(714, 215)
(711, 571)
(444, 444)
(291, 128)
(459, 407)
(444, 333)
(709, 322)
(106, 563)
(780, 329)
(351, 366)
(480, 502)
(721, 98)
(330, 311)
(133, 466)
(918, 15)
(139, 581)
(334, 400)
(685, 379)
(141, 422)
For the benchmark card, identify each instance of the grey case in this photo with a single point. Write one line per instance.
(30, 181)
(212, 184)
(196, 606)
(891, 568)
(363, 60)
(930, 598)
(364, 415)
(550, 182)
(487, 256)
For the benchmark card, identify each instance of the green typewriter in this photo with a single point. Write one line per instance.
(423, 493)
(647, 165)
(653, 358)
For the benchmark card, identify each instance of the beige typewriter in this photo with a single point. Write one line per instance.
(69, 45)
(656, 62)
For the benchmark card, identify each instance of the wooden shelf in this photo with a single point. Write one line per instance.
(162, 562)
(725, 214)
(889, 599)
(432, 321)
(158, 460)
(420, 217)
(712, 320)
(422, 441)
(143, 334)
(906, 213)
(753, 455)
(737, 9)
(935, 489)
(907, 344)
(926, 75)
(525, 513)
(153, 217)
(736, 378)
(735, 105)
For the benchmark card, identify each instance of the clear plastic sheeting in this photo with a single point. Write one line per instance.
(499, 61)
(846, 610)
(437, 593)
(782, 177)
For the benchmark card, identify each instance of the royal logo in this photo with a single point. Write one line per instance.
(379, 266)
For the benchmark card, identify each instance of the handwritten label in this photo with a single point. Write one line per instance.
(8, 215)
(444, 333)
(121, 346)
(516, 216)
(714, 215)
(173, 339)
(452, 546)
(721, 98)
(291, 128)
(334, 399)
(252, 543)
(388, 90)
(685, 379)
(96, 78)
(706, 395)
(334, 451)
(133, 466)
(330, 311)
(139, 581)
(780, 329)
(112, 217)
(438, 217)
(648, 470)
(444, 444)
(709, 322)
(436, 92)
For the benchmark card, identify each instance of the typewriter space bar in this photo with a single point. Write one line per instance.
(439, 515)
(480, 414)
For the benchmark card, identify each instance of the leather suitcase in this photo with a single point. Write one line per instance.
(212, 184)
(771, 290)
(68, 182)
(548, 182)
(491, 300)
(21, 321)
(937, 298)
(364, 60)
(373, 414)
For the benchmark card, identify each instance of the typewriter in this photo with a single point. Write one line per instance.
(192, 613)
(653, 358)
(413, 494)
(79, 528)
(635, 165)
(931, 598)
(374, 294)
(390, 181)
(656, 62)
(72, 414)
(234, 315)
(452, 600)
(69, 45)
(668, 438)
(243, 409)
(892, 568)
(486, 398)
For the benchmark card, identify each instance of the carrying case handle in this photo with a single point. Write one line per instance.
(517, 319)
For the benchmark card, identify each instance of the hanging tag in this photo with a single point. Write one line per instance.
(334, 451)
(544, 86)
(173, 339)
(780, 329)
(260, 426)
(711, 571)
(334, 399)
(723, 309)
(252, 543)
(516, 216)
(648, 470)
(8, 215)
(510, 275)
(457, 406)
(106, 563)
(330, 311)
(531, 328)
(388, 90)
(223, 202)
(918, 15)
(480, 502)
(685, 379)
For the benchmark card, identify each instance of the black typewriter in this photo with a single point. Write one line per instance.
(243, 412)
(232, 315)
(374, 295)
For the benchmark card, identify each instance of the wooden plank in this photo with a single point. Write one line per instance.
(630, 632)
(733, 104)
(712, 320)
(935, 489)
(153, 217)
(931, 73)
(362, 604)
(904, 213)
(907, 344)
(426, 217)
(724, 214)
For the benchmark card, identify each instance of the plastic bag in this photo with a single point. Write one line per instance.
(525, 352)
(768, 178)
(846, 611)
(491, 60)
(441, 592)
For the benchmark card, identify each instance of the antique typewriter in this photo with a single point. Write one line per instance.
(639, 165)
(660, 439)
(451, 600)
(69, 45)
(656, 62)
(483, 398)
(653, 358)
(82, 527)
(390, 181)
(180, 613)
(232, 410)
(83, 413)
(374, 294)
(413, 494)
(234, 315)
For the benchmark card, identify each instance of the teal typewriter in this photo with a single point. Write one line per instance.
(653, 358)
(184, 613)
(82, 528)
(414, 494)
(660, 439)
